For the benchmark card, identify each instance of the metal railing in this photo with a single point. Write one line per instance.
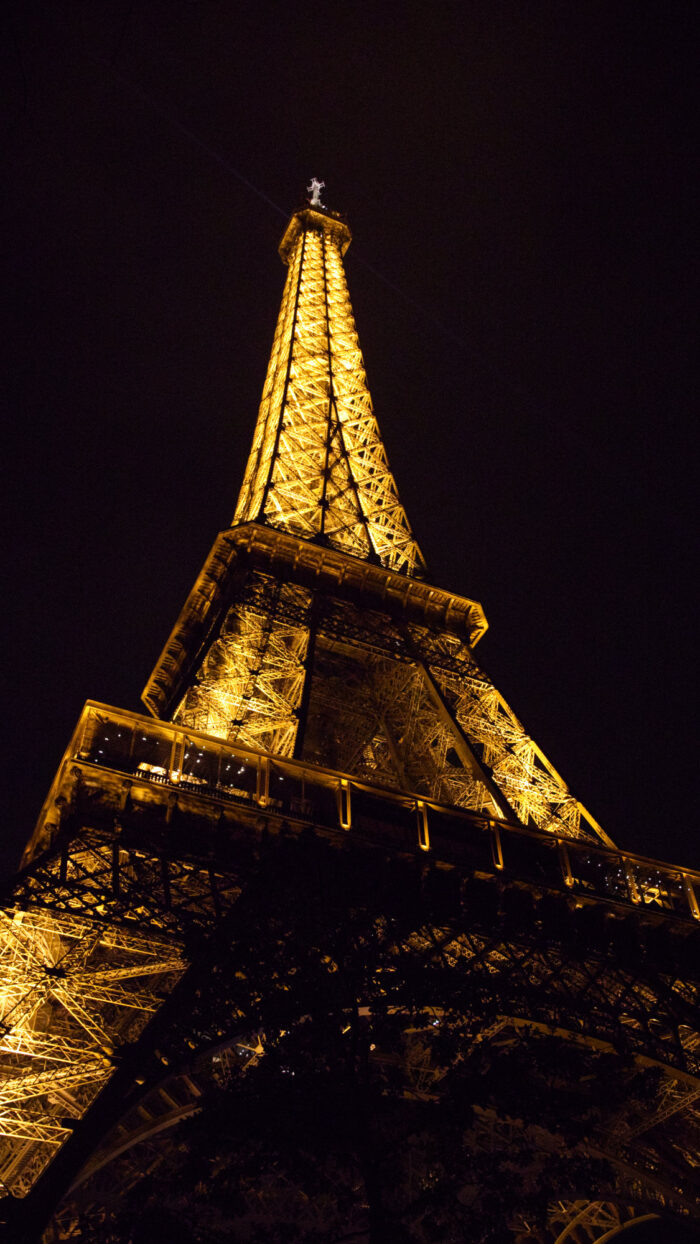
(196, 765)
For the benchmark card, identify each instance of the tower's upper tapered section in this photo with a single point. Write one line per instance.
(317, 467)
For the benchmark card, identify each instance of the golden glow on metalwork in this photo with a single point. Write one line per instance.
(347, 697)
(534, 790)
(250, 684)
(72, 991)
(318, 468)
(593, 1221)
(373, 716)
(75, 988)
(402, 707)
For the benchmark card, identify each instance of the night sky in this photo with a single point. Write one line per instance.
(517, 178)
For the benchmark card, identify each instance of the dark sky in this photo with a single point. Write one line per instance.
(518, 181)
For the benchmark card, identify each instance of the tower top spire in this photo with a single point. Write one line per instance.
(314, 190)
(315, 215)
(318, 468)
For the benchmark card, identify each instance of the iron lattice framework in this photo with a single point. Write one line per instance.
(316, 689)
(73, 992)
(318, 467)
(422, 715)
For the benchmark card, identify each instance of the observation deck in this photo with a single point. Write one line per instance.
(152, 784)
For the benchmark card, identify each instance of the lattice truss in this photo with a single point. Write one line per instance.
(397, 705)
(534, 790)
(72, 992)
(373, 717)
(318, 467)
(674, 1115)
(592, 996)
(250, 685)
(654, 1138)
(588, 1222)
(579, 1222)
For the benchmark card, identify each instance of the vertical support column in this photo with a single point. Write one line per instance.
(344, 805)
(496, 847)
(691, 897)
(262, 793)
(423, 829)
(462, 745)
(260, 516)
(303, 709)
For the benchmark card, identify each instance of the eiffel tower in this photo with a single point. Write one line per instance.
(325, 762)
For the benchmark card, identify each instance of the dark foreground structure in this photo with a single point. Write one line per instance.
(324, 948)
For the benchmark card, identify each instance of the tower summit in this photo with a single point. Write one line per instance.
(317, 467)
(328, 776)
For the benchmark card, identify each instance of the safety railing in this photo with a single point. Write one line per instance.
(191, 764)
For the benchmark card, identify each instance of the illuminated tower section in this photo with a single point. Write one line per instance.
(318, 468)
(288, 666)
(317, 687)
